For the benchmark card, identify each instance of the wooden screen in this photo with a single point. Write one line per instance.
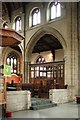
(51, 74)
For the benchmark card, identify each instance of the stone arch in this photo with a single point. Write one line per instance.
(8, 50)
(41, 32)
(34, 39)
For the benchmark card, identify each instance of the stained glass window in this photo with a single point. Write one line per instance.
(12, 61)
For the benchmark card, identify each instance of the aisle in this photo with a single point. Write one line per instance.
(68, 110)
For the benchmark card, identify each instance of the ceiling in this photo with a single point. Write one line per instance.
(46, 43)
(9, 7)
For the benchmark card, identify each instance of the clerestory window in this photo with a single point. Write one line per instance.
(17, 24)
(55, 10)
(36, 17)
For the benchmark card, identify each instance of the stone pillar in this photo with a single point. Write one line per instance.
(74, 49)
(71, 71)
(67, 57)
(26, 72)
(78, 48)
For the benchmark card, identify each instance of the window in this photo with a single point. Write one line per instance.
(40, 60)
(12, 61)
(5, 25)
(36, 17)
(55, 10)
(39, 70)
(17, 25)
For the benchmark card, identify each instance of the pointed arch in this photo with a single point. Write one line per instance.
(41, 32)
(6, 52)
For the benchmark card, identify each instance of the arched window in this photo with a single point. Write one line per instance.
(17, 24)
(55, 10)
(36, 17)
(5, 25)
(12, 61)
(40, 60)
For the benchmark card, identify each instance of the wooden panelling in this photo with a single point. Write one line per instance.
(15, 78)
(47, 75)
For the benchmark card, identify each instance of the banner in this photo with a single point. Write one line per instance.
(7, 70)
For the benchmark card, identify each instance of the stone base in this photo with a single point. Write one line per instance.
(60, 95)
(18, 100)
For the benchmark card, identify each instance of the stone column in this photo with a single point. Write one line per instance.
(67, 57)
(78, 48)
(74, 49)
(26, 72)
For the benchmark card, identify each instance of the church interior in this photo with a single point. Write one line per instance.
(40, 55)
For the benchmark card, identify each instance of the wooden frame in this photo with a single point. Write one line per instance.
(53, 71)
(16, 78)
(47, 76)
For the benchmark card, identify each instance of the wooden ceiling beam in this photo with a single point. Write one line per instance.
(9, 9)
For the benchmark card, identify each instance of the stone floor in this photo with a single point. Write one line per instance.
(67, 110)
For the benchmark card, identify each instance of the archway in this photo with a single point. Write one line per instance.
(35, 38)
(54, 40)
(41, 32)
(17, 52)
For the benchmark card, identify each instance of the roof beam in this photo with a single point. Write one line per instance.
(9, 10)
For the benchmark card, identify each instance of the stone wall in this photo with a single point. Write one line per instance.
(18, 100)
(65, 30)
(60, 95)
(59, 56)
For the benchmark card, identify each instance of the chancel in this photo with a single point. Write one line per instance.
(40, 41)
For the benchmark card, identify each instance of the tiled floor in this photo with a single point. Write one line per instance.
(67, 110)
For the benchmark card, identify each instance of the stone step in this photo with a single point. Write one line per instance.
(38, 107)
(40, 102)
(37, 103)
